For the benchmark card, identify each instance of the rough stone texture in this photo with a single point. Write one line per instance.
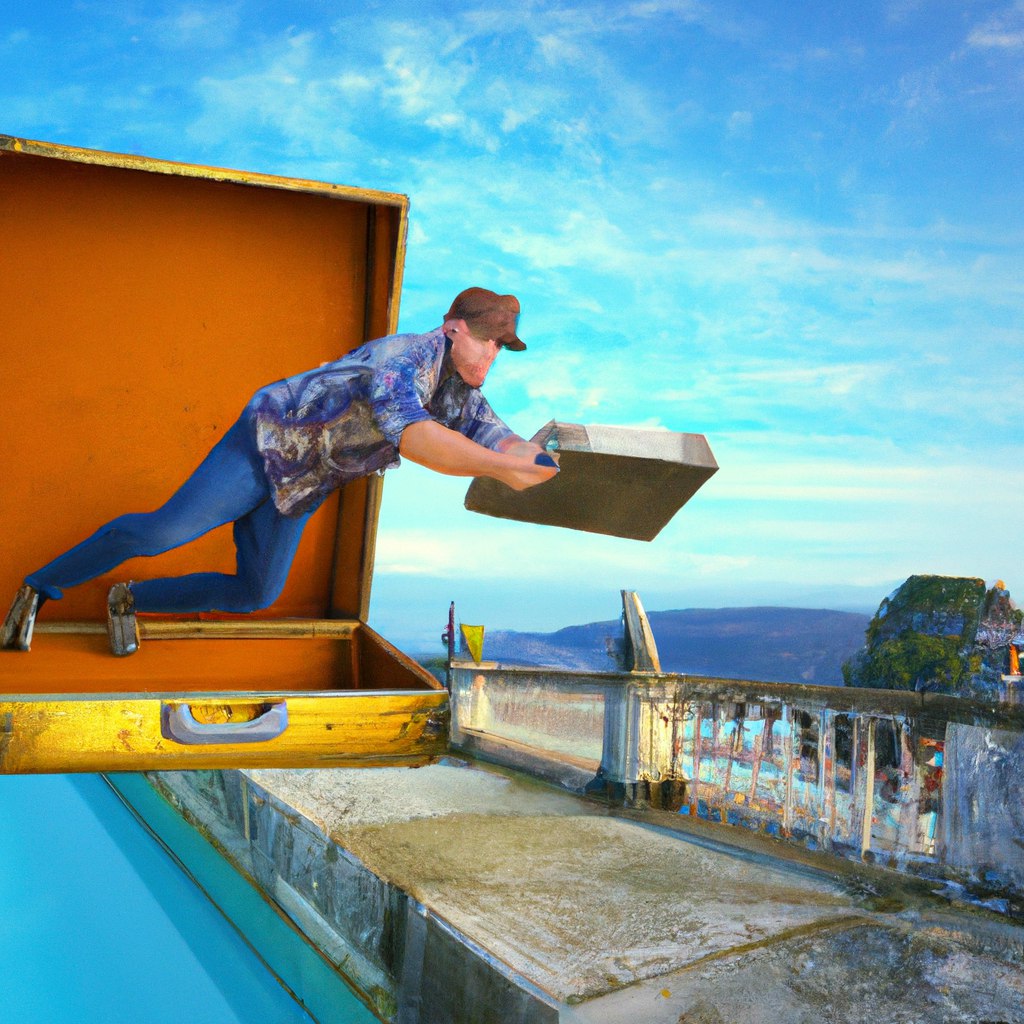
(945, 634)
(907, 971)
(984, 814)
(581, 905)
(339, 799)
(470, 896)
(578, 903)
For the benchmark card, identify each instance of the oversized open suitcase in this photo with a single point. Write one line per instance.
(143, 302)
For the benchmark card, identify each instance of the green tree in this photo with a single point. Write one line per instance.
(912, 661)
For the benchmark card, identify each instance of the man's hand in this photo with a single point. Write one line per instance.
(524, 471)
(520, 449)
(447, 451)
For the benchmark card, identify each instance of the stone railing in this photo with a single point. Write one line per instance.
(918, 782)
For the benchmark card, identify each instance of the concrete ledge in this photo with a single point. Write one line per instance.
(922, 783)
(466, 895)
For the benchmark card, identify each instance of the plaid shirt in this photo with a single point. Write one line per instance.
(344, 420)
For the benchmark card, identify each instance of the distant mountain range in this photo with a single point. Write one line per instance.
(785, 645)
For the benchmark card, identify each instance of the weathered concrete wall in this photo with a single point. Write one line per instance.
(406, 961)
(918, 782)
(456, 894)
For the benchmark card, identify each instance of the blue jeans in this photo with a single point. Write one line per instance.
(229, 486)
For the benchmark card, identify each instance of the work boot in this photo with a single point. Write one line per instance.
(122, 627)
(21, 620)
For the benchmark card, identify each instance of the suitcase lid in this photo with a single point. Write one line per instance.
(623, 481)
(144, 302)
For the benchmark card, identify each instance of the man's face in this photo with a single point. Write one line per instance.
(471, 356)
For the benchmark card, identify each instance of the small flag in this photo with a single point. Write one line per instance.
(474, 637)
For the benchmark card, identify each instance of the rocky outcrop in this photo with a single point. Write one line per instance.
(946, 634)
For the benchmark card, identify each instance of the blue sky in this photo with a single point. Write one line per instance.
(794, 228)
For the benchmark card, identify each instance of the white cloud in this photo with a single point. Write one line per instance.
(512, 119)
(558, 50)
(580, 238)
(447, 122)
(651, 9)
(1003, 31)
(740, 122)
(902, 10)
(418, 553)
(942, 481)
(506, 551)
(990, 37)
(918, 90)
(353, 83)
(192, 26)
(415, 84)
(777, 378)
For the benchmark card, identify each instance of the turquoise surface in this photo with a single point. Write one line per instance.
(98, 923)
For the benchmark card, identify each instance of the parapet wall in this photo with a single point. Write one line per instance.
(921, 783)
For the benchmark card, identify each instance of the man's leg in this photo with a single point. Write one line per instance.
(266, 542)
(227, 485)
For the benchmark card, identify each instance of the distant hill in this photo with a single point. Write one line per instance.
(785, 645)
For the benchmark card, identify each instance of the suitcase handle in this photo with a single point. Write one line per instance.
(179, 724)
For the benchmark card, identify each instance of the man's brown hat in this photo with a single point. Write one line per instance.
(489, 315)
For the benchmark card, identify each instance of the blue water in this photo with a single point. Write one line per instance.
(98, 925)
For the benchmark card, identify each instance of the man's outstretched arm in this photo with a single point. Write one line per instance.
(447, 451)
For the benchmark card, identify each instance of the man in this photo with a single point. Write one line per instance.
(297, 440)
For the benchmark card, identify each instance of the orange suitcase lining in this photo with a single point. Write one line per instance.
(357, 661)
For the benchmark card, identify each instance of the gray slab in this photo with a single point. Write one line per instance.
(576, 902)
(620, 481)
(910, 970)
